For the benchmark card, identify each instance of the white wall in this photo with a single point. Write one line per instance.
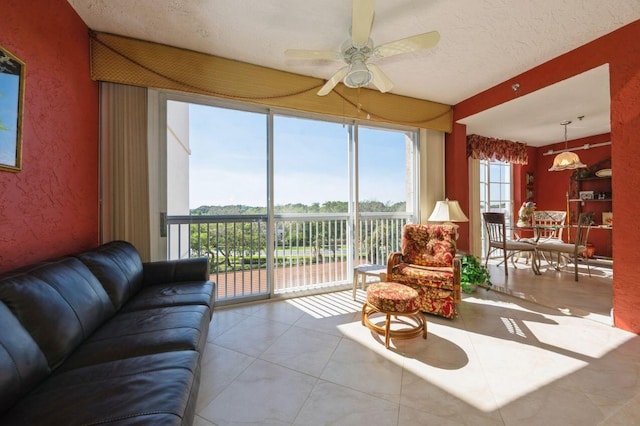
(178, 158)
(178, 153)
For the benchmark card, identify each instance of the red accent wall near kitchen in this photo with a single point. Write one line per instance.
(623, 58)
(551, 187)
(50, 208)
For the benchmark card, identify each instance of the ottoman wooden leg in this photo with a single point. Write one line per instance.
(387, 326)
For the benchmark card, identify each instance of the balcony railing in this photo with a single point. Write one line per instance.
(305, 253)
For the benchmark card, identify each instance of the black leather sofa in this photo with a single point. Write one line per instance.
(101, 338)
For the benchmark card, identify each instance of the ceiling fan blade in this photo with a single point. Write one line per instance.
(331, 83)
(380, 80)
(361, 21)
(313, 54)
(409, 44)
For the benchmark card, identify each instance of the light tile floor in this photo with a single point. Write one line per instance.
(538, 351)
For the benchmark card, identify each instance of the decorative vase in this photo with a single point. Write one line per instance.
(590, 251)
(525, 214)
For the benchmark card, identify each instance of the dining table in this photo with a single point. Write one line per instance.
(537, 231)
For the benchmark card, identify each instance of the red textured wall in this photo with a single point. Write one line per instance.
(457, 177)
(50, 208)
(551, 187)
(625, 153)
(623, 58)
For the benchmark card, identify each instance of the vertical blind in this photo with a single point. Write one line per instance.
(124, 170)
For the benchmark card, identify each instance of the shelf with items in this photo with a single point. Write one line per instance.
(579, 200)
(590, 191)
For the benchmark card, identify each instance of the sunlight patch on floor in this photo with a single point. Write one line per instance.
(327, 305)
(523, 363)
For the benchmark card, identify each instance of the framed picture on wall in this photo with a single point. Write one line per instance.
(529, 194)
(529, 178)
(11, 104)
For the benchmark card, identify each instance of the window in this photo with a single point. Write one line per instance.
(311, 166)
(228, 161)
(495, 191)
(385, 171)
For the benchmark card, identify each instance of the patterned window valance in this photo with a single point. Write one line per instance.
(483, 148)
(141, 63)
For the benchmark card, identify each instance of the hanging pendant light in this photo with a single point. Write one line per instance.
(566, 160)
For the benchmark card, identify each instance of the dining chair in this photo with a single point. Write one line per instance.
(547, 226)
(545, 223)
(571, 251)
(495, 225)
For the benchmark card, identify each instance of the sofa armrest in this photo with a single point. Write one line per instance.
(457, 270)
(174, 271)
(393, 260)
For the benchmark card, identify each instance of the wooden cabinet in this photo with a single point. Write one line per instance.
(590, 191)
(592, 194)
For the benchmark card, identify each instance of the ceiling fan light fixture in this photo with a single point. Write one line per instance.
(359, 47)
(566, 160)
(358, 75)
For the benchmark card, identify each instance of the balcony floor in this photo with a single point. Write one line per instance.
(504, 360)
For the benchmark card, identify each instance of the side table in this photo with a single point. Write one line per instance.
(361, 272)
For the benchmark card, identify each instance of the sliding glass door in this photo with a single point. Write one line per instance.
(386, 190)
(280, 203)
(311, 180)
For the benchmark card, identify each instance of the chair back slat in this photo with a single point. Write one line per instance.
(549, 218)
(582, 233)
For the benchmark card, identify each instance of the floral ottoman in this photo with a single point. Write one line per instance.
(388, 298)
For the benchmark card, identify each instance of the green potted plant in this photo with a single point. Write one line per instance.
(473, 274)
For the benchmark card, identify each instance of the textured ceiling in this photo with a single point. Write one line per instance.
(483, 42)
(584, 100)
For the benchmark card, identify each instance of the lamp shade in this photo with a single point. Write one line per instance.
(566, 161)
(447, 211)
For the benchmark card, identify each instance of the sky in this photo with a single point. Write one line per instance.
(228, 162)
(9, 95)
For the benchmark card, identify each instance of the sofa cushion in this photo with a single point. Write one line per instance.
(143, 332)
(168, 271)
(118, 267)
(60, 303)
(172, 294)
(154, 390)
(22, 364)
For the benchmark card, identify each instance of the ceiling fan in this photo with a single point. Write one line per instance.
(357, 49)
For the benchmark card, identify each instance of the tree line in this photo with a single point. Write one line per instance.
(314, 208)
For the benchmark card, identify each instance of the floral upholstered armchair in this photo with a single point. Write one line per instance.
(427, 263)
